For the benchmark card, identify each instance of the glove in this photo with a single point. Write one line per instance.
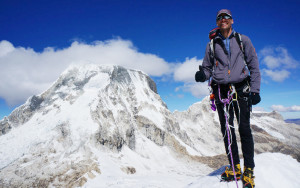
(200, 75)
(255, 97)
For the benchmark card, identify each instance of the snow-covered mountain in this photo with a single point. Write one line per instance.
(271, 133)
(106, 126)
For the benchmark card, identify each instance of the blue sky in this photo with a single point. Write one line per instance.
(40, 38)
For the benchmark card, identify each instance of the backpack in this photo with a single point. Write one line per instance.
(214, 32)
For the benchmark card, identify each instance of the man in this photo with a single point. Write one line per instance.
(234, 67)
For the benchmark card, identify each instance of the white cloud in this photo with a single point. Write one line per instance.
(277, 76)
(280, 108)
(258, 108)
(25, 72)
(277, 58)
(185, 72)
(278, 62)
(198, 90)
(271, 62)
(5, 48)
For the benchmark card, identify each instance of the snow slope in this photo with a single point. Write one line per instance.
(272, 170)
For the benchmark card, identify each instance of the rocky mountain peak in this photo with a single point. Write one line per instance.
(72, 83)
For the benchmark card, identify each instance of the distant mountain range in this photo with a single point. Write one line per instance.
(296, 121)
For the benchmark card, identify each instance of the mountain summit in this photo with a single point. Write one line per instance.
(109, 124)
(53, 134)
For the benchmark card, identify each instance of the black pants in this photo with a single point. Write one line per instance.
(242, 112)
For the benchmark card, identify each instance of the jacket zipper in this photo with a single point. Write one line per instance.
(228, 58)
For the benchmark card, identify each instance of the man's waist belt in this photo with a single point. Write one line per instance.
(238, 86)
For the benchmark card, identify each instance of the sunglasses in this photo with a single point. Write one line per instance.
(226, 17)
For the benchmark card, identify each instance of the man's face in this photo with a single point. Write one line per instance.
(224, 21)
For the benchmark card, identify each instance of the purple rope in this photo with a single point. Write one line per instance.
(227, 102)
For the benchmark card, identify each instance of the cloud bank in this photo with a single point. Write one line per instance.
(278, 62)
(25, 72)
(185, 72)
(280, 108)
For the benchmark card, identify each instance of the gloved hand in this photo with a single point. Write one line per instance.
(200, 75)
(255, 97)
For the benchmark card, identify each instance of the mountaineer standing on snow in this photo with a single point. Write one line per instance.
(231, 61)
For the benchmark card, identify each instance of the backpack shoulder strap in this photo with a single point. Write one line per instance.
(212, 34)
(212, 48)
(239, 40)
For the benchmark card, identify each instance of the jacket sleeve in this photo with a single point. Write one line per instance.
(253, 64)
(207, 63)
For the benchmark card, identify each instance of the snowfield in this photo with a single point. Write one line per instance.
(272, 170)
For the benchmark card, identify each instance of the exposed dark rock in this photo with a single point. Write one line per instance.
(35, 102)
(152, 84)
(120, 75)
(130, 138)
(113, 142)
(151, 131)
(129, 170)
(258, 129)
(5, 126)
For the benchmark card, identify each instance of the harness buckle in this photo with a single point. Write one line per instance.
(233, 93)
